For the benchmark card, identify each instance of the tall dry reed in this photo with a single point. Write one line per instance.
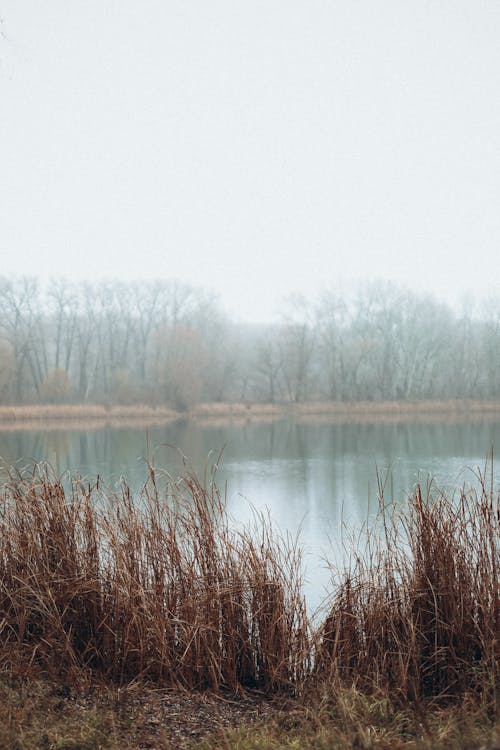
(162, 587)
(417, 613)
(157, 587)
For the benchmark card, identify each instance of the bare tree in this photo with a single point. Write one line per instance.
(163, 340)
(297, 343)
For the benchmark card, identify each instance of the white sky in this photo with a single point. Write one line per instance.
(254, 147)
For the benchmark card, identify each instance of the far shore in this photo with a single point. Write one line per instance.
(97, 416)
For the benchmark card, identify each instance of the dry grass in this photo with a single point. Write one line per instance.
(158, 588)
(42, 715)
(239, 414)
(354, 720)
(45, 716)
(401, 407)
(95, 416)
(77, 416)
(162, 590)
(453, 411)
(417, 614)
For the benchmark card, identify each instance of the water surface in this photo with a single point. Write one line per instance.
(315, 477)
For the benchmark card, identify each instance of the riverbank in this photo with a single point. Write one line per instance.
(98, 416)
(152, 624)
(45, 715)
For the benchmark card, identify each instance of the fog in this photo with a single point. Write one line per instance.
(253, 149)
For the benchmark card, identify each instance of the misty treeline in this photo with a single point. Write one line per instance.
(163, 342)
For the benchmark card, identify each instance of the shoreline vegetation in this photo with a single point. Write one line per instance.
(97, 416)
(156, 601)
(164, 342)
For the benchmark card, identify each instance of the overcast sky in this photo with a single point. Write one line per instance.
(253, 147)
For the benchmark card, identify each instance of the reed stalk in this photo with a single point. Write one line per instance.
(163, 587)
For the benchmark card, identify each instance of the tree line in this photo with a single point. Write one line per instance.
(164, 342)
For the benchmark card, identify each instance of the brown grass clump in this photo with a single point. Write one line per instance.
(417, 613)
(163, 588)
(95, 416)
(351, 719)
(33, 415)
(157, 588)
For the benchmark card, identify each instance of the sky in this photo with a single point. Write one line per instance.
(254, 147)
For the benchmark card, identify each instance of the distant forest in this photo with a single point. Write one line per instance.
(164, 342)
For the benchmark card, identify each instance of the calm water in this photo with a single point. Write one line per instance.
(312, 476)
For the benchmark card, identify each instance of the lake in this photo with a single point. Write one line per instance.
(311, 476)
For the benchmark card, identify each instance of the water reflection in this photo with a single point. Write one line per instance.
(312, 476)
